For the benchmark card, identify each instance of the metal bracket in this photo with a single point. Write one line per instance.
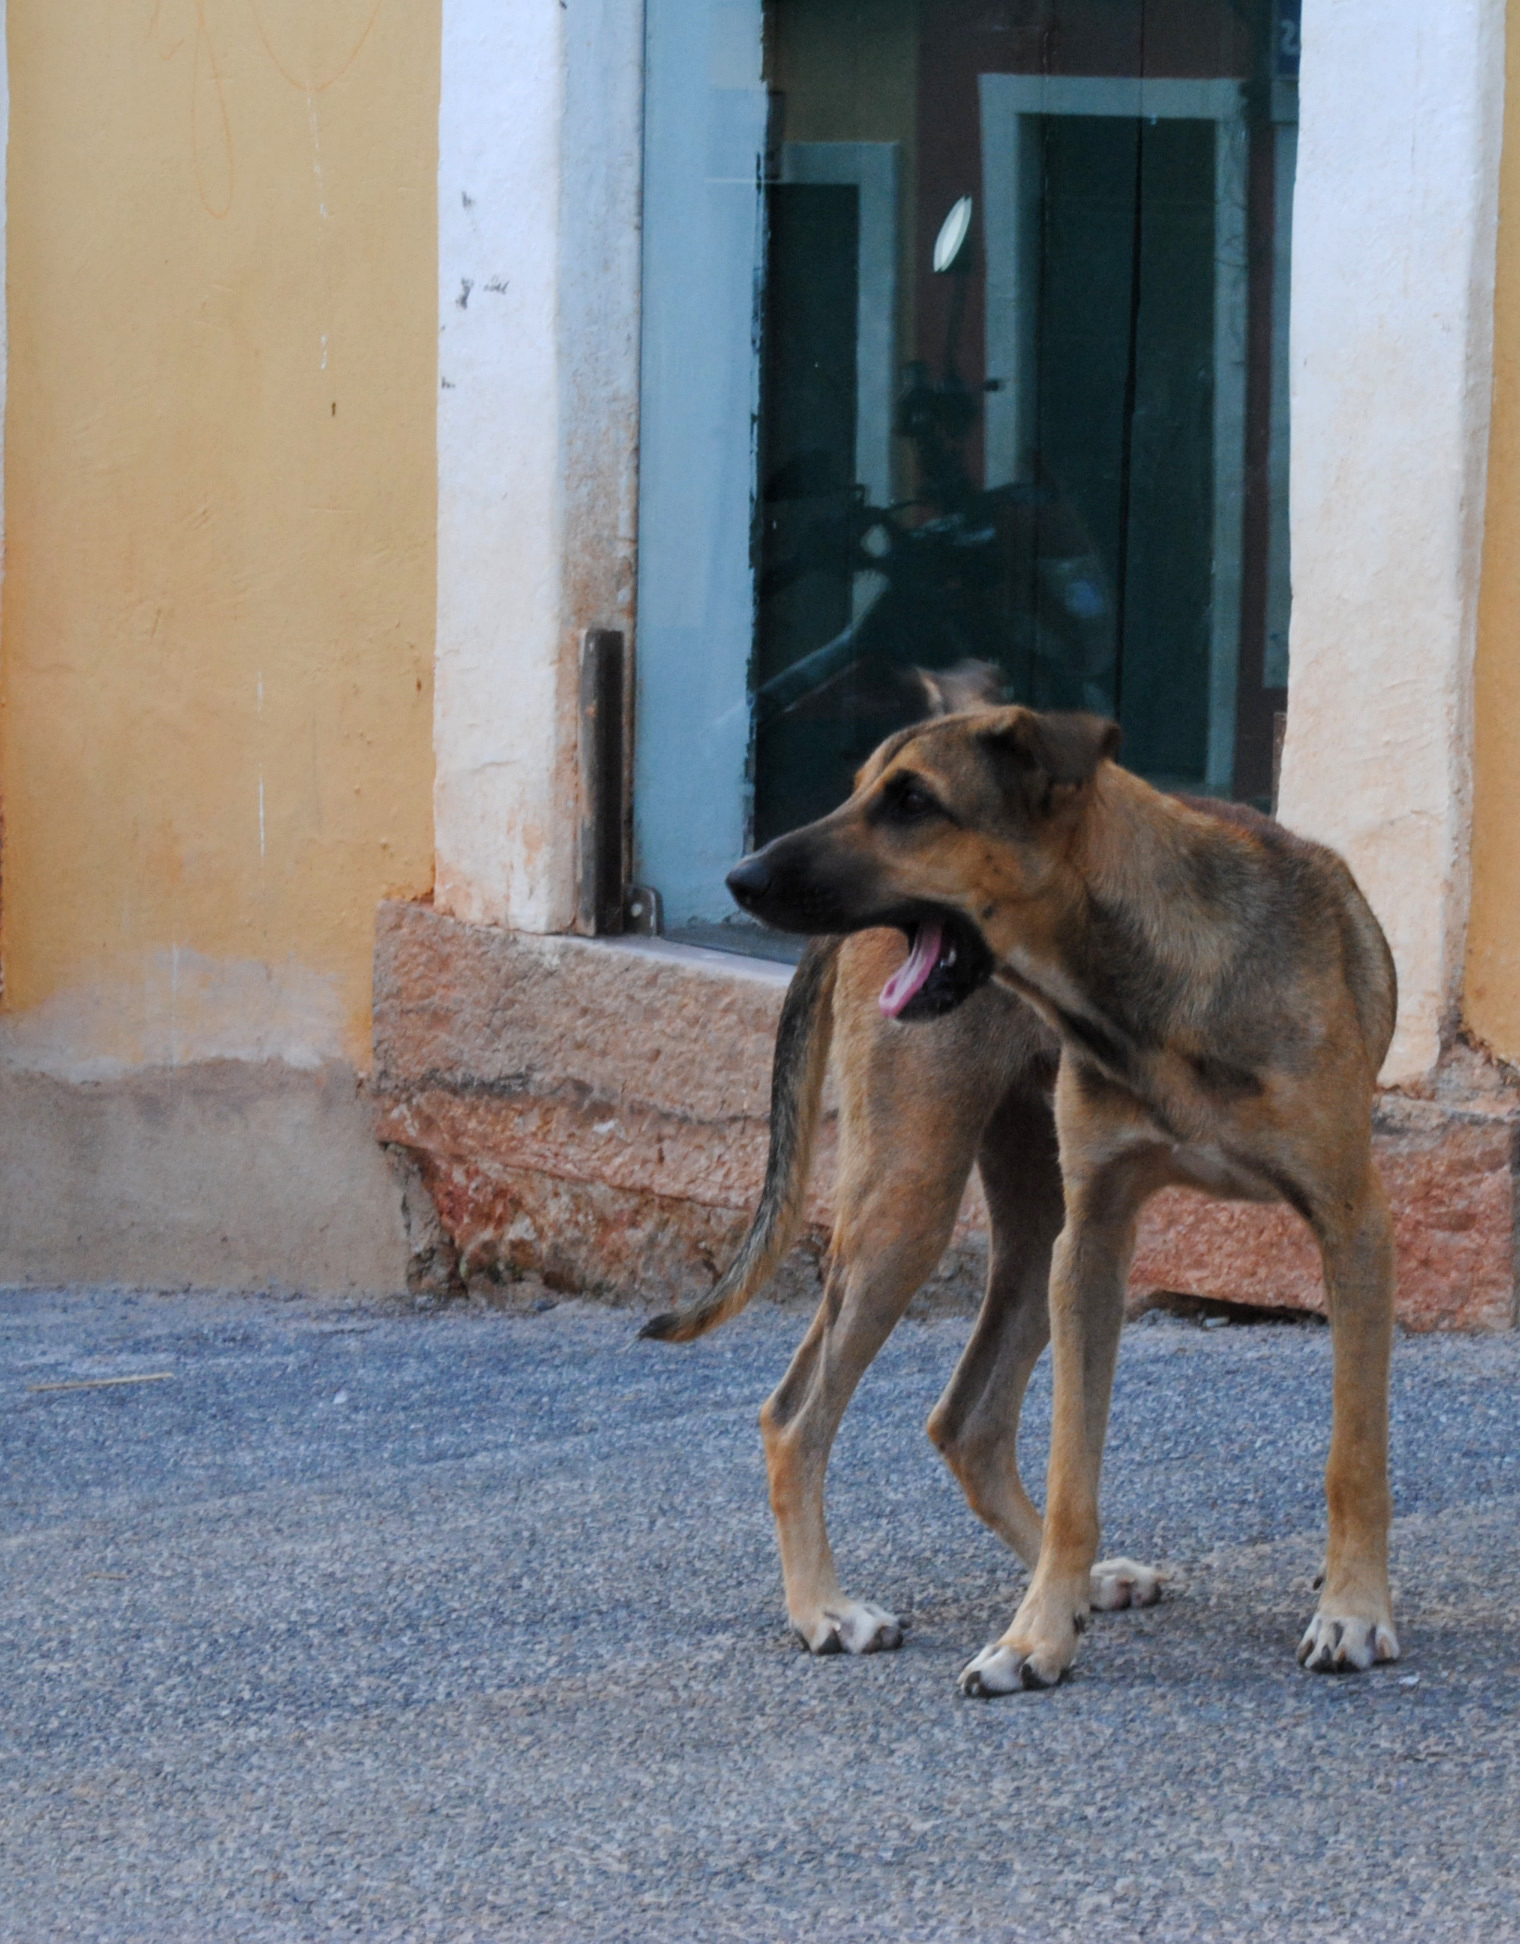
(643, 911)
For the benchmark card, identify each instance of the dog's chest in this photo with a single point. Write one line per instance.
(1200, 1164)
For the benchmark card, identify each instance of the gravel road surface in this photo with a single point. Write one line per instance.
(363, 1624)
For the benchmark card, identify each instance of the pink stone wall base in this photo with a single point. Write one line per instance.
(1450, 1177)
(595, 1239)
(594, 1112)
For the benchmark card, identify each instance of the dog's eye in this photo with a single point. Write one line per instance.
(907, 800)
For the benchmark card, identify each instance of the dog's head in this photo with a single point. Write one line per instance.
(953, 826)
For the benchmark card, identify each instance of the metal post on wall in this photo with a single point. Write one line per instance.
(604, 782)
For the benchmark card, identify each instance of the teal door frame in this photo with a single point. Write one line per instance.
(1012, 105)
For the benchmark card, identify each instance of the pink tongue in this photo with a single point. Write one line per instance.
(911, 974)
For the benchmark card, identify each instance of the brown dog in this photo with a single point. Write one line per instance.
(967, 1084)
(1223, 999)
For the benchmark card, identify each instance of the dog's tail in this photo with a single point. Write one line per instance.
(797, 1072)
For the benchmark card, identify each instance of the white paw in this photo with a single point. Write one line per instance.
(1118, 1583)
(850, 1627)
(1344, 1644)
(1000, 1669)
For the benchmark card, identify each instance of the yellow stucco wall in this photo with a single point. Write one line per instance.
(1492, 996)
(220, 520)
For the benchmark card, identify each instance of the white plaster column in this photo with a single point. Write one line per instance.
(538, 200)
(1394, 228)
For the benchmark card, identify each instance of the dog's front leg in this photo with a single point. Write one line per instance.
(1088, 1275)
(1353, 1624)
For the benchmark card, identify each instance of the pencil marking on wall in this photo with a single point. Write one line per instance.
(210, 124)
(174, 24)
(355, 46)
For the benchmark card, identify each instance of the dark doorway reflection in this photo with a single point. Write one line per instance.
(1081, 453)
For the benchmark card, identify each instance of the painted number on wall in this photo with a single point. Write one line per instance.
(1289, 17)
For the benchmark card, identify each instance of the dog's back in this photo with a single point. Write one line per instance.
(1315, 895)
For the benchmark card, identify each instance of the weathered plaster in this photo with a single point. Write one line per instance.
(220, 516)
(538, 186)
(224, 1175)
(1394, 223)
(179, 1009)
(218, 628)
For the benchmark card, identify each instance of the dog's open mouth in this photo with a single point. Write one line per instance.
(948, 960)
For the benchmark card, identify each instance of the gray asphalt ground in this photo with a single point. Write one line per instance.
(368, 1624)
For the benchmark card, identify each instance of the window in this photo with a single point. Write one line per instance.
(964, 337)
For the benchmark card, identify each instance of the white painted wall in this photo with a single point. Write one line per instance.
(538, 187)
(1395, 218)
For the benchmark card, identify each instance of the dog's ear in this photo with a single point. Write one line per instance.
(969, 685)
(1042, 760)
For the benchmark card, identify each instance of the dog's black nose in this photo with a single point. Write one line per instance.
(749, 881)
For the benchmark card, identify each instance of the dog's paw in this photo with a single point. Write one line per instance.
(1118, 1583)
(1039, 1646)
(1337, 1643)
(1002, 1669)
(850, 1627)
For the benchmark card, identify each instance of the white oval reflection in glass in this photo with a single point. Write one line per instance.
(951, 240)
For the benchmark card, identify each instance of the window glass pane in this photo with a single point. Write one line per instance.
(704, 144)
(1015, 392)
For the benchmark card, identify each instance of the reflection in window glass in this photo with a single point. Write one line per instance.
(1016, 361)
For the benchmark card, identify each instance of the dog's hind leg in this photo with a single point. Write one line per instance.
(975, 1425)
(884, 1247)
(907, 1141)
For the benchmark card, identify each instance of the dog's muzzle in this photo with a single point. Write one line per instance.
(948, 959)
